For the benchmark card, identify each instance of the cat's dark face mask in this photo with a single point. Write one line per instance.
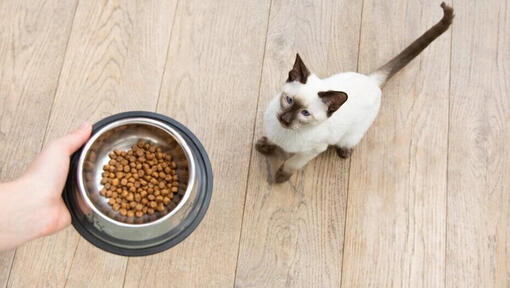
(321, 105)
(289, 110)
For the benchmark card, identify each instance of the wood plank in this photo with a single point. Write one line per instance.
(396, 213)
(478, 246)
(114, 62)
(292, 233)
(33, 38)
(211, 85)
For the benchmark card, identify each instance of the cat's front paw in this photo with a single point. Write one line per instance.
(343, 153)
(281, 175)
(265, 147)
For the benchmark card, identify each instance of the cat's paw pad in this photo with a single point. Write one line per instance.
(264, 146)
(343, 153)
(281, 176)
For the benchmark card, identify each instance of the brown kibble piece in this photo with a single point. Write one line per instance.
(115, 182)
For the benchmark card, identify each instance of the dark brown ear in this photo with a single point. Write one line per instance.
(334, 99)
(299, 72)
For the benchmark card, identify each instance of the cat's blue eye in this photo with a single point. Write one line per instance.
(305, 113)
(288, 99)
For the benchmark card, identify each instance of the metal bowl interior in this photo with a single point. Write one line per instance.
(122, 135)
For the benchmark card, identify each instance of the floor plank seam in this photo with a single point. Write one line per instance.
(48, 121)
(58, 78)
(72, 261)
(448, 158)
(10, 269)
(167, 53)
(252, 140)
(350, 159)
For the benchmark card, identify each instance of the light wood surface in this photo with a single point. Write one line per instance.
(396, 215)
(32, 47)
(211, 80)
(293, 233)
(423, 202)
(478, 221)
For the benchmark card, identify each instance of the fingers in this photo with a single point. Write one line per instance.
(74, 140)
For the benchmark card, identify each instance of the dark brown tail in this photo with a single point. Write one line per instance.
(398, 62)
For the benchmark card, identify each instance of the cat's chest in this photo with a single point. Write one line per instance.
(293, 141)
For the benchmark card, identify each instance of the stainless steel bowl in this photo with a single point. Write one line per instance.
(106, 228)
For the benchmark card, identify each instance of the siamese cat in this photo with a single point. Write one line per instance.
(311, 113)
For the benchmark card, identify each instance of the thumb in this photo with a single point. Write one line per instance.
(74, 140)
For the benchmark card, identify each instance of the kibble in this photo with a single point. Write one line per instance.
(140, 181)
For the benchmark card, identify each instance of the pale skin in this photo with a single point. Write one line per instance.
(32, 206)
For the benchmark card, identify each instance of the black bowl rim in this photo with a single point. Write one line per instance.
(162, 246)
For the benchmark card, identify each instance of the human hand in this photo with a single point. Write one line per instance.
(32, 206)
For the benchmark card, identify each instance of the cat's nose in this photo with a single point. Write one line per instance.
(285, 119)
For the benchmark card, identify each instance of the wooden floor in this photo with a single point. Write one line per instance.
(424, 200)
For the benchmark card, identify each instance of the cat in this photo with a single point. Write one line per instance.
(310, 114)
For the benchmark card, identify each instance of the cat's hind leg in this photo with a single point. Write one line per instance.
(344, 147)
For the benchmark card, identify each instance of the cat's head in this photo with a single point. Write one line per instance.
(304, 100)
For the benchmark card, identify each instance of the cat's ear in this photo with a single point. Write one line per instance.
(334, 99)
(299, 72)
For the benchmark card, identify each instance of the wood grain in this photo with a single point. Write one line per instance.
(396, 213)
(478, 245)
(211, 85)
(114, 62)
(424, 196)
(33, 38)
(292, 233)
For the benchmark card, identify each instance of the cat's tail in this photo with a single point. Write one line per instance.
(385, 72)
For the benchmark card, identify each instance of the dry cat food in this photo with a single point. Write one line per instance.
(141, 181)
